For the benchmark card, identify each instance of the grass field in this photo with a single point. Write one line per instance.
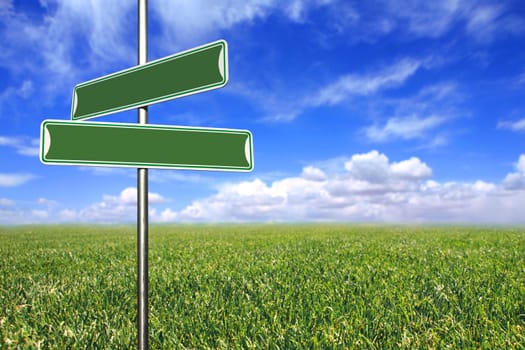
(265, 287)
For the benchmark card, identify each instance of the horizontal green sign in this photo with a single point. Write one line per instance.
(145, 146)
(189, 72)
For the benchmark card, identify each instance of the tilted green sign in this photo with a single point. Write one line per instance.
(146, 146)
(192, 71)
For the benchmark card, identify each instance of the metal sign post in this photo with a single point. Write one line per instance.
(142, 198)
(143, 146)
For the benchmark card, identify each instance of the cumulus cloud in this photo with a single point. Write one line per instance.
(371, 188)
(313, 174)
(364, 187)
(111, 208)
(516, 180)
(412, 169)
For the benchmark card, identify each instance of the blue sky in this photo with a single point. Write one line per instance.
(361, 111)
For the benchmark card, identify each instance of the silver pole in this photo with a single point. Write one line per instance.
(142, 198)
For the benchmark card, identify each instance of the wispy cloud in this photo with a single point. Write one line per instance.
(486, 22)
(185, 21)
(24, 90)
(434, 19)
(12, 96)
(408, 128)
(415, 18)
(517, 125)
(420, 116)
(348, 86)
(521, 79)
(23, 145)
(6, 7)
(365, 84)
(5, 202)
(14, 179)
(67, 41)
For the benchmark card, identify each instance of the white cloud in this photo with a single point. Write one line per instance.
(111, 209)
(52, 43)
(6, 7)
(372, 188)
(411, 168)
(46, 202)
(366, 84)
(167, 215)
(485, 22)
(297, 10)
(521, 79)
(98, 31)
(128, 197)
(23, 145)
(67, 215)
(8, 141)
(313, 174)
(184, 21)
(520, 166)
(344, 89)
(14, 179)
(39, 214)
(365, 187)
(5, 202)
(516, 180)
(518, 125)
(14, 95)
(482, 17)
(371, 167)
(428, 18)
(407, 128)
(434, 19)
(117, 208)
(72, 41)
(419, 117)
(24, 90)
(440, 91)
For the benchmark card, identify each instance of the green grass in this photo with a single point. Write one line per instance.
(265, 287)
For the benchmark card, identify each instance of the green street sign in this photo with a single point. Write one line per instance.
(145, 146)
(196, 70)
